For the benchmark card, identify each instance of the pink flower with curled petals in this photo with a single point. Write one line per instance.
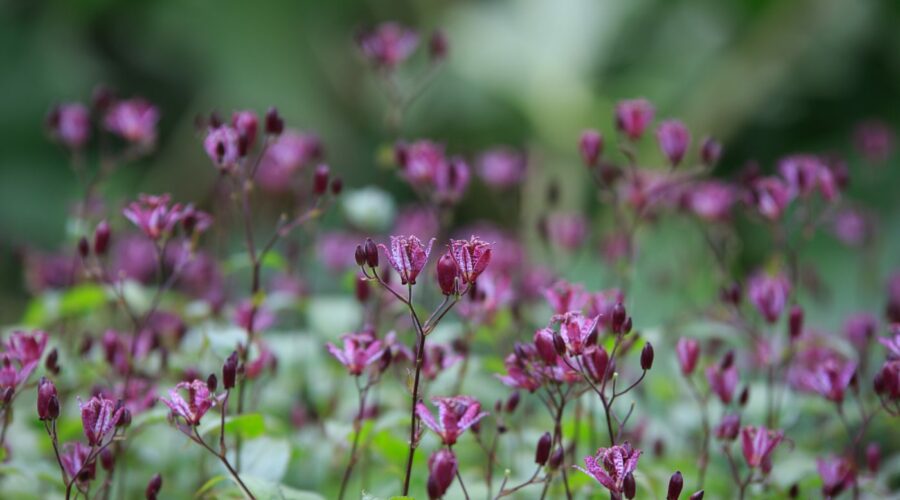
(455, 415)
(246, 123)
(27, 348)
(408, 256)
(758, 444)
(633, 116)
(222, 146)
(576, 330)
(153, 215)
(388, 45)
(805, 173)
(99, 417)
(472, 257)
(837, 473)
(359, 351)
(828, 378)
(74, 458)
(133, 120)
(611, 465)
(199, 401)
(770, 196)
(519, 374)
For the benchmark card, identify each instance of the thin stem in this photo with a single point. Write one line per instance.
(357, 428)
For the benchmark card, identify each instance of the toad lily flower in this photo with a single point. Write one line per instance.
(199, 401)
(611, 465)
(408, 256)
(26, 348)
(472, 257)
(769, 294)
(576, 330)
(99, 416)
(456, 414)
(829, 378)
(153, 215)
(360, 350)
(758, 443)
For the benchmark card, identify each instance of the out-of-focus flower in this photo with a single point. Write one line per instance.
(48, 271)
(770, 196)
(710, 151)
(284, 157)
(408, 256)
(74, 458)
(688, 351)
(874, 141)
(602, 304)
(153, 215)
(442, 467)
(837, 473)
(437, 359)
(133, 120)
(99, 416)
(472, 257)
(728, 428)
(722, 381)
(222, 146)
(70, 124)
(633, 116)
(420, 221)
(711, 200)
(519, 375)
(769, 294)
(577, 330)
(805, 173)
(265, 360)
(564, 297)
(388, 45)
(501, 167)
(359, 351)
(567, 230)
(758, 444)
(674, 139)
(893, 296)
(610, 466)
(892, 343)
(254, 319)
(246, 123)
(591, 147)
(438, 46)
(153, 487)
(27, 348)
(451, 181)
(199, 401)
(829, 377)
(851, 227)
(456, 414)
(493, 293)
(860, 328)
(47, 400)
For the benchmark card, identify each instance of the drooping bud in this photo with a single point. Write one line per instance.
(442, 467)
(698, 495)
(676, 483)
(101, 238)
(556, 459)
(647, 357)
(229, 371)
(371, 253)
(512, 402)
(212, 382)
(47, 401)
(744, 396)
(591, 147)
(542, 452)
(359, 255)
(84, 248)
(153, 487)
(124, 419)
(795, 322)
(545, 345)
(710, 151)
(320, 180)
(274, 123)
(626, 326)
(629, 486)
(446, 274)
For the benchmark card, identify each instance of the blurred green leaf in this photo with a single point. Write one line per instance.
(82, 299)
(248, 425)
(265, 489)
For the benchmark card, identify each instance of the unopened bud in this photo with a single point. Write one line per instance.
(795, 322)
(446, 273)
(320, 180)
(512, 402)
(153, 487)
(676, 483)
(212, 382)
(629, 486)
(591, 147)
(274, 123)
(556, 459)
(647, 357)
(84, 249)
(371, 253)
(101, 238)
(229, 371)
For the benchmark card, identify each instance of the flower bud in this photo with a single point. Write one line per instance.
(385, 362)
(212, 382)
(124, 419)
(371, 253)
(107, 459)
(710, 151)
(229, 371)
(6, 395)
(794, 491)
(673, 138)
(442, 467)
(512, 402)
(546, 348)
(362, 290)
(153, 487)
(47, 401)
(274, 123)
(744, 396)
(437, 46)
(446, 273)
(101, 238)
(84, 249)
(359, 255)
(629, 486)
(795, 322)
(873, 457)
(626, 326)
(676, 483)
(52, 362)
(320, 180)
(559, 344)
(591, 146)
(337, 185)
(556, 459)
(727, 360)
(647, 357)
(731, 294)
(542, 452)
(618, 318)
(697, 495)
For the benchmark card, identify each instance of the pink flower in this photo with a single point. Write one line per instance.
(874, 141)
(722, 382)
(265, 359)
(564, 297)
(99, 417)
(199, 401)
(472, 257)
(771, 196)
(674, 139)
(13, 373)
(74, 458)
(420, 161)
(688, 351)
(591, 146)
(27, 348)
(805, 173)
(70, 123)
(222, 146)
(567, 230)
(254, 319)
(388, 45)
(769, 294)
(893, 342)
(520, 375)
(246, 123)
(360, 350)
(290, 152)
(153, 215)
(611, 465)
(758, 443)
(437, 358)
(502, 167)
(576, 330)
(494, 292)
(451, 181)
(711, 200)
(860, 328)
(828, 378)
(442, 467)
(455, 415)
(728, 428)
(633, 117)
(134, 120)
(837, 473)
(408, 256)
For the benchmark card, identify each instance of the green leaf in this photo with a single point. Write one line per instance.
(248, 425)
(393, 449)
(265, 489)
(208, 485)
(35, 313)
(266, 458)
(82, 299)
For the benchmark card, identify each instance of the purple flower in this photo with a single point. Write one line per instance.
(199, 401)
(420, 161)
(769, 294)
(360, 350)
(710, 151)
(851, 227)
(265, 359)
(828, 378)
(874, 140)
(26, 348)
(611, 465)
(388, 45)
(567, 230)
(520, 375)
(688, 352)
(837, 473)
(134, 120)
(420, 221)
(222, 146)
(70, 123)
(758, 444)
(502, 167)
(576, 330)
(442, 467)
(472, 257)
(633, 117)
(153, 215)
(591, 147)
(246, 123)
(722, 382)
(455, 415)
(451, 181)
(728, 428)
(771, 196)
(253, 319)
(99, 417)
(74, 457)
(408, 256)
(860, 328)
(711, 200)
(893, 342)
(674, 139)
(564, 297)
(805, 173)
